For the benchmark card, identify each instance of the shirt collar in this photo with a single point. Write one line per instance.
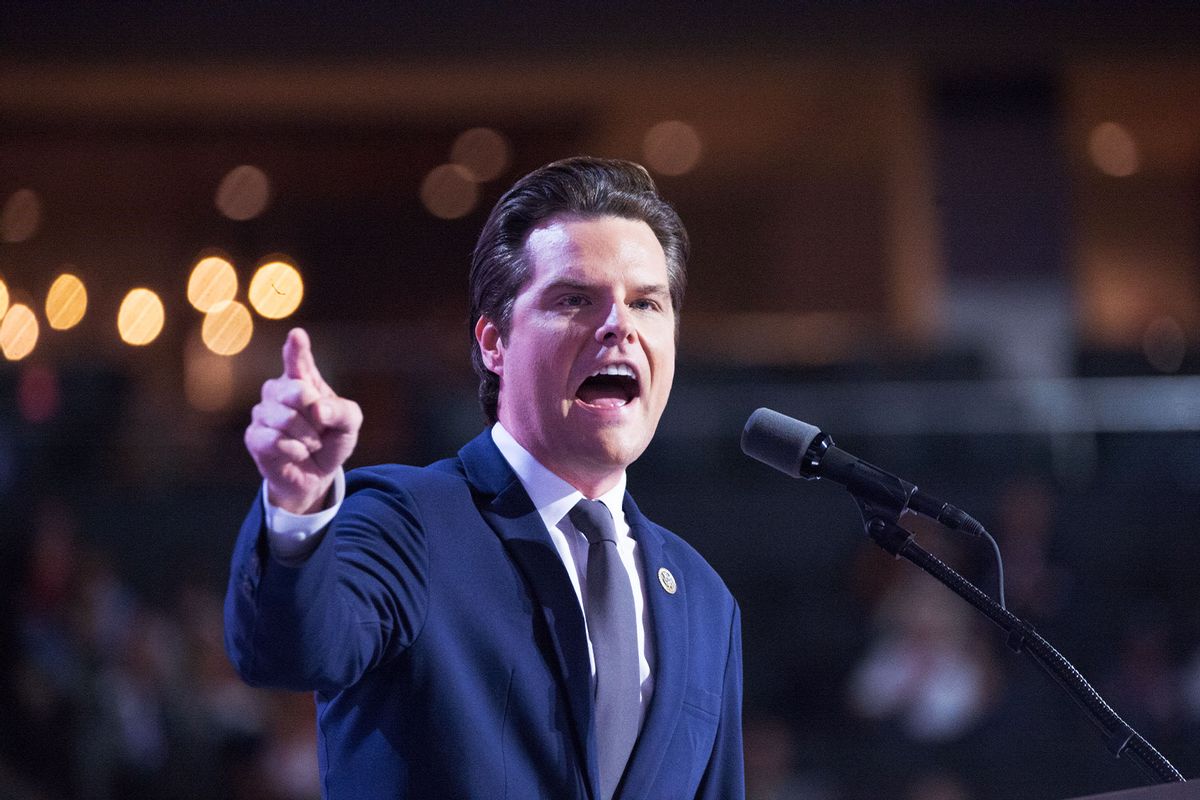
(551, 495)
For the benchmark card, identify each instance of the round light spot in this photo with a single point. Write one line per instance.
(140, 318)
(449, 191)
(21, 216)
(1113, 150)
(243, 193)
(227, 328)
(483, 152)
(66, 302)
(213, 281)
(276, 290)
(18, 332)
(671, 147)
(1164, 344)
(3, 299)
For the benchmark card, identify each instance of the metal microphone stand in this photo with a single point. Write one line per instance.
(882, 526)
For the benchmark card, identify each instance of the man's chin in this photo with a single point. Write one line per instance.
(616, 449)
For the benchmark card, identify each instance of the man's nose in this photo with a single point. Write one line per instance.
(617, 326)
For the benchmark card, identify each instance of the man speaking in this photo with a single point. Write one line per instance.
(505, 623)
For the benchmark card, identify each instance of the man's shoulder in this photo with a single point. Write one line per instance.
(438, 476)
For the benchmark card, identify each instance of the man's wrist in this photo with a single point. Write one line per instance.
(301, 506)
(294, 536)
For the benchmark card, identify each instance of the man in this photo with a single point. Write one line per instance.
(477, 628)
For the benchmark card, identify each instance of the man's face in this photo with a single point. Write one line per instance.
(587, 364)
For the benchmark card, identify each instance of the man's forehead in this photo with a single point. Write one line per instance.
(566, 243)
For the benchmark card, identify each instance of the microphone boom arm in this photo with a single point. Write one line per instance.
(882, 528)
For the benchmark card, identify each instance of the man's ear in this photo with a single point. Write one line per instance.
(491, 347)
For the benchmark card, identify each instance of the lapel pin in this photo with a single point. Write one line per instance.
(667, 580)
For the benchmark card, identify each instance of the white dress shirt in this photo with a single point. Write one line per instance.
(293, 536)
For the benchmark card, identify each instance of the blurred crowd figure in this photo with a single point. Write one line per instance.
(111, 696)
(932, 663)
(927, 667)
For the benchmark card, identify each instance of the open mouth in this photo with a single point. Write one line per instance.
(612, 386)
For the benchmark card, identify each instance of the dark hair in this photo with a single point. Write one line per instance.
(582, 186)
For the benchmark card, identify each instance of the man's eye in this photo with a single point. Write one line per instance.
(574, 300)
(645, 305)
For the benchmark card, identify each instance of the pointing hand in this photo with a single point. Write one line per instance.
(301, 431)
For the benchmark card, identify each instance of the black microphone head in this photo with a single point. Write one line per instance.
(778, 440)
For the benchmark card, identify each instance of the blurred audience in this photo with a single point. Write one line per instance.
(116, 697)
(771, 773)
(114, 693)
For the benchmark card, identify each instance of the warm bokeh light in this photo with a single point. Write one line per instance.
(18, 332)
(484, 152)
(3, 299)
(276, 290)
(227, 328)
(1165, 344)
(66, 302)
(449, 191)
(21, 216)
(213, 281)
(208, 379)
(141, 317)
(1113, 150)
(243, 193)
(671, 147)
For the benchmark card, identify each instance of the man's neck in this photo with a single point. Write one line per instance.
(590, 485)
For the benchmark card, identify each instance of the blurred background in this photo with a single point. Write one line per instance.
(962, 238)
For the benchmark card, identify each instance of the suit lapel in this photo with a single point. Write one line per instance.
(668, 619)
(506, 507)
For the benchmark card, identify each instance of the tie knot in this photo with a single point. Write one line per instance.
(593, 519)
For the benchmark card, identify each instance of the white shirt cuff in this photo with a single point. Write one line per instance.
(292, 537)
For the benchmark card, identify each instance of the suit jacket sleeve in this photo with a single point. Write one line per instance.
(724, 777)
(356, 601)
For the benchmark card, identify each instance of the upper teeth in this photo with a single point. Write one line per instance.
(616, 369)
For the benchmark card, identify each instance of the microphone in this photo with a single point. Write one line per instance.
(803, 451)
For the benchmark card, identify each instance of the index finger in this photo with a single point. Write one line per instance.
(298, 360)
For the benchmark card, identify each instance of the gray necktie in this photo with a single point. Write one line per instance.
(612, 627)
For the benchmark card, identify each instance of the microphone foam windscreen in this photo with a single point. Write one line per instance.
(777, 440)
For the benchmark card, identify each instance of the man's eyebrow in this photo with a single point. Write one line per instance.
(566, 284)
(653, 289)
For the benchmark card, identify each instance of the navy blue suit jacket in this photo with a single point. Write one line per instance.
(438, 627)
